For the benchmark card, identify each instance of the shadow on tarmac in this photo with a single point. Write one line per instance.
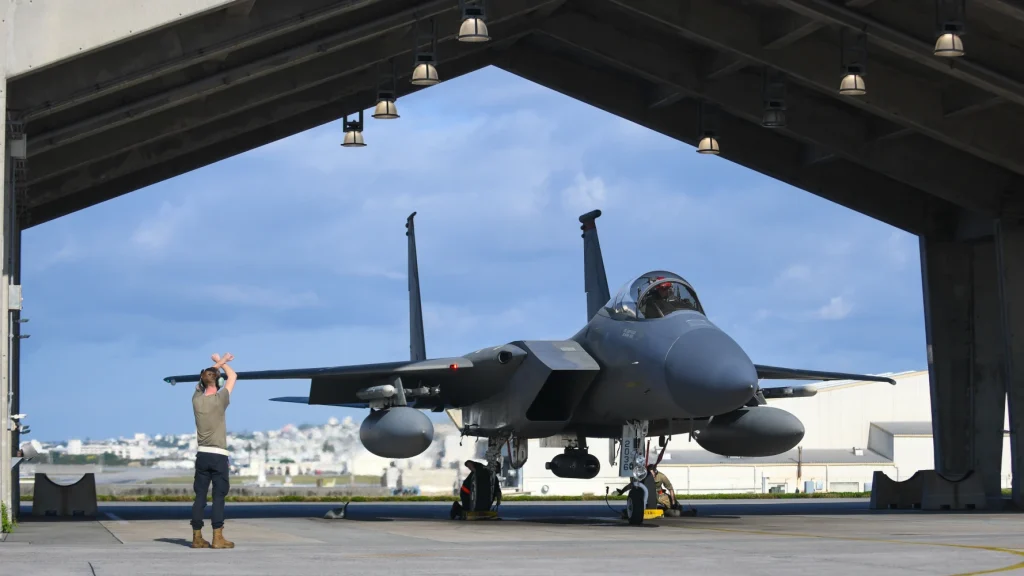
(567, 513)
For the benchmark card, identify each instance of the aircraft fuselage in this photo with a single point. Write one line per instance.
(676, 367)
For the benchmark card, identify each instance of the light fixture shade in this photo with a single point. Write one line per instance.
(773, 118)
(425, 74)
(853, 85)
(473, 29)
(385, 109)
(708, 145)
(353, 138)
(949, 45)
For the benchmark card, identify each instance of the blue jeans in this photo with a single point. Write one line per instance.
(210, 467)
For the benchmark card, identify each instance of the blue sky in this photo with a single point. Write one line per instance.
(293, 255)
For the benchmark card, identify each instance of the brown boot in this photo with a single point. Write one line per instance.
(197, 540)
(219, 541)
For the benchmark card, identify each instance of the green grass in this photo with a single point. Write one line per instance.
(583, 498)
(7, 523)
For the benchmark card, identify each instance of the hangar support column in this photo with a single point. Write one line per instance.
(6, 445)
(15, 382)
(1009, 240)
(965, 358)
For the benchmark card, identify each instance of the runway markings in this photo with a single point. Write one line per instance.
(1018, 553)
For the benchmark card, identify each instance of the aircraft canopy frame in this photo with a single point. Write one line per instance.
(632, 299)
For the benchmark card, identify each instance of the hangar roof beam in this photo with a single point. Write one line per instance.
(226, 137)
(957, 177)
(766, 151)
(906, 99)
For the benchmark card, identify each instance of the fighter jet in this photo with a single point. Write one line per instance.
(648, 362)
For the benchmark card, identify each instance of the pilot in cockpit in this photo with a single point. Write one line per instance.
(663, 300)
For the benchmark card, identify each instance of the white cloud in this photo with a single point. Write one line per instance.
(458, 321)
(155, 233)
(796, 273)
(376, 272)
(836, 309)
(258, 297)
(68, 251)
(585, 194)
(898, 248)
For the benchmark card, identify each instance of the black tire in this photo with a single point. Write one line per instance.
(635, 505)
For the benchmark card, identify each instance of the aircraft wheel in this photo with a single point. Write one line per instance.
(635, 507)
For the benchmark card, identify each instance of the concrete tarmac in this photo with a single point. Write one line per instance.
(784, 537)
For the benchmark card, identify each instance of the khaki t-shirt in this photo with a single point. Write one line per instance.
(211, 428)
(662, 481)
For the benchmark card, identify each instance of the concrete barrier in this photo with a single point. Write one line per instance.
(942, 494)
(888, 494)
(52, 499)
(926, 490)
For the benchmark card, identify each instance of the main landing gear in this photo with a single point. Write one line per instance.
(480, 495)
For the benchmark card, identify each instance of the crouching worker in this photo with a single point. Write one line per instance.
(479, 490)
(209, 403)
(666, 493)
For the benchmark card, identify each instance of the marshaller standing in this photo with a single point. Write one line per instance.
(209, 404)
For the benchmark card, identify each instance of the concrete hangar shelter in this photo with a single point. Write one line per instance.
(847, 99)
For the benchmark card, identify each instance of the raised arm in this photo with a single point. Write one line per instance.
(230, 383)
(222, 363)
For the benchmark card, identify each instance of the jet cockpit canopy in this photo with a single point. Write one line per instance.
(654, 295)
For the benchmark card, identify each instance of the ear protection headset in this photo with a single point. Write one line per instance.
(220, 381)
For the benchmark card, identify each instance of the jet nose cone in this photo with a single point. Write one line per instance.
(708, 373)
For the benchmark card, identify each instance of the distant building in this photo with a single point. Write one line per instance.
(852, 429)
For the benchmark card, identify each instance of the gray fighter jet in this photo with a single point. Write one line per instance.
(648, 362)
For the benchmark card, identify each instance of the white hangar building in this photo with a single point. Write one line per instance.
(852, 429)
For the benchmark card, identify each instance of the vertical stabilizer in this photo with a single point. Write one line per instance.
(595, 281)
(417, 344)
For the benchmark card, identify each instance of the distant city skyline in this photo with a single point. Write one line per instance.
(242, 432)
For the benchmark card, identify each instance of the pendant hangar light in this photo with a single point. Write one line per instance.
(708, 134)
(473, 28)
(353, 132)
(951, 23)
(386, 109)
(424, 72)
(853, 56)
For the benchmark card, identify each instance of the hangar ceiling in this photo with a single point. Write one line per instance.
(933, 143)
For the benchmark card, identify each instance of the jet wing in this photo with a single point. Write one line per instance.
(804, 390)
(423, 367)
(338, 385)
